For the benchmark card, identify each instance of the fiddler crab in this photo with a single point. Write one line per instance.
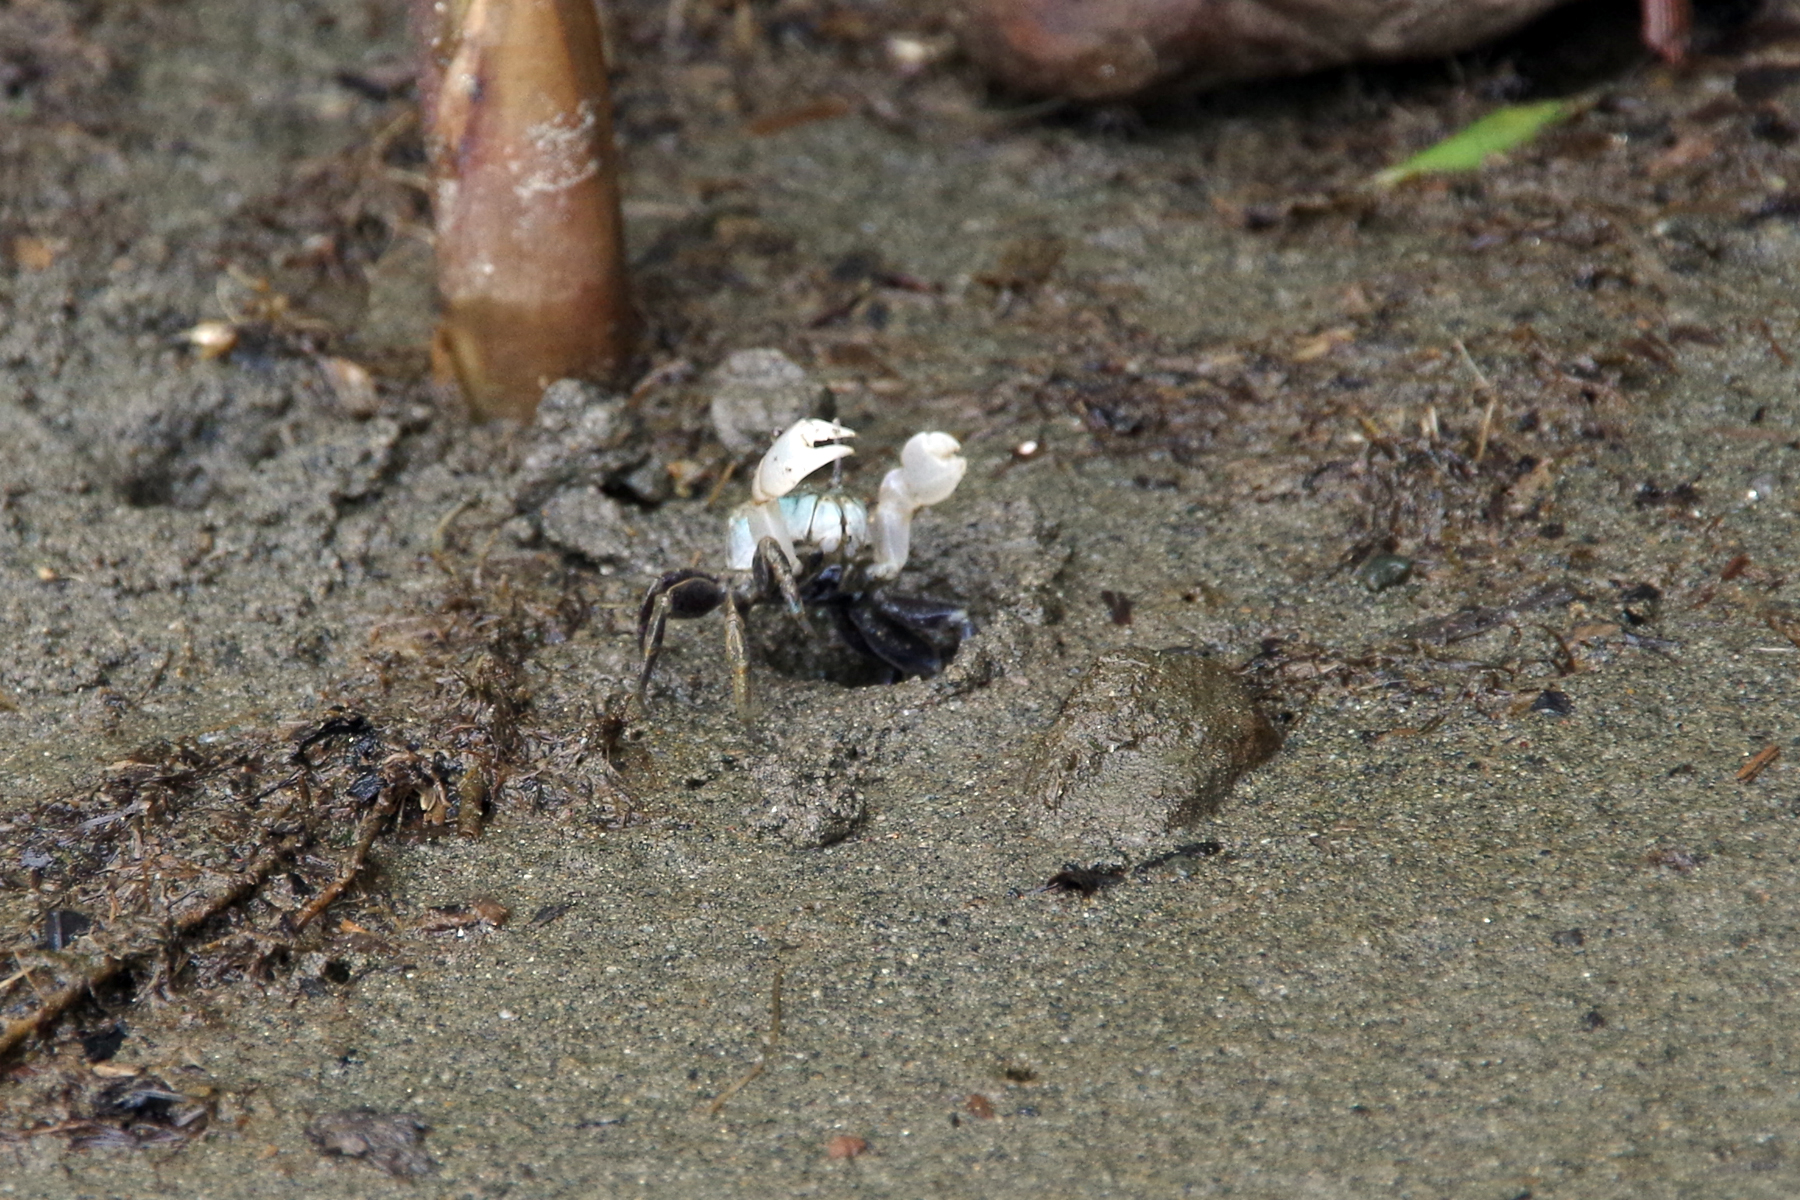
(823, 551)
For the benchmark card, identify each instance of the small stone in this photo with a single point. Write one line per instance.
(758, 393)
(1553, 703)
(1641, 604)
(1385, 571)
(568, 402)
(393, 1142)
(1149, 741)
(846, 1145)
(649, 483)
(590, 524)
(353, 387)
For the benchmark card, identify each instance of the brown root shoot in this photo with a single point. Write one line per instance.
(531, 267)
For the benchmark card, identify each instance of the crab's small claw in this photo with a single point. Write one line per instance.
(805, 447)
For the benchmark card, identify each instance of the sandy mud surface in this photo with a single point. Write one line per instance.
(1486, 486)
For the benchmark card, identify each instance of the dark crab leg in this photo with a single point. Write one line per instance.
(774, 576)
(683, 595)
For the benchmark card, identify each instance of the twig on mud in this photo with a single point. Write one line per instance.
(719, 487)
(156, 679)
(1756, 765)
(762, 1059)
(1482, 384)
(65, 998)
(440, 535)
(366, 834)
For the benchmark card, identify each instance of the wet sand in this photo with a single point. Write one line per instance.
(1459, 937)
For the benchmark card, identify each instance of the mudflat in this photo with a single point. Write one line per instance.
(1485, 486)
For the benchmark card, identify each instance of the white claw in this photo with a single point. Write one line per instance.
(797, 453)
(930, 468)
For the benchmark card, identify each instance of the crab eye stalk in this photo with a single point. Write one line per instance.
(531, 268)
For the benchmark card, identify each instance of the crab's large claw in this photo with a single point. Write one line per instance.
(804, 448)
(931, 466)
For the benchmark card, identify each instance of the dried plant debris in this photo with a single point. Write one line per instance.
(548, 913)
(200, 863)
(111, 1108)
(394, 1142)
(1086, 881)
(1479, 619)
(451, 918)
(142, 1111)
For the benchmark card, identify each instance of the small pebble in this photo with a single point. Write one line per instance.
(758, 393)
(1385, 571)
(394, 1142)
(1641, 604)
(845, 1145)
(1553, 703)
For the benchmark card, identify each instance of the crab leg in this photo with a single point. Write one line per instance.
(679, 594)
(774, 577)
(650, 640)
(737, 653)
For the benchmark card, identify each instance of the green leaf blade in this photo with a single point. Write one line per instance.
(1469, 148)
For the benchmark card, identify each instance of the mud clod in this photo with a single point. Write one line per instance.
(392, 1141)
(583, 437)
(757, 393)
(814, 785)
(1150, 740)
(592, 525)
(809, 806)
